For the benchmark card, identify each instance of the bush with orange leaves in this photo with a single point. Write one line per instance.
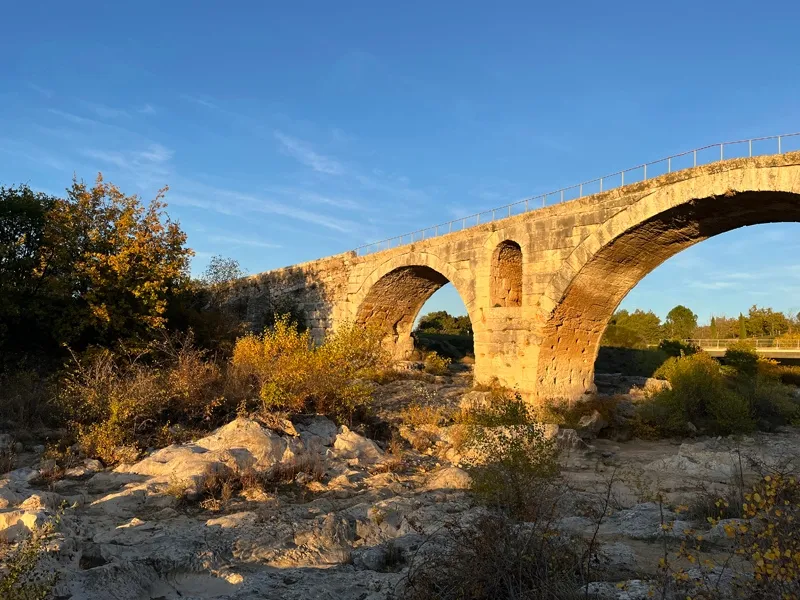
(289, 372)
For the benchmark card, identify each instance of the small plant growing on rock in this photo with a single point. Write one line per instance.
(21, 574)
(436, 364)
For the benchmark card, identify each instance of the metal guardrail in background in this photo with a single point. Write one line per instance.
(685, 160)
(722, 344)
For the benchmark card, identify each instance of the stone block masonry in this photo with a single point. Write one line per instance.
(539, 287)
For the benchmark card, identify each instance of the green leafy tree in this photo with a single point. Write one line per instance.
(764, 322)
(742, 327)
(127, 259)
(713, 329)
(680, 323)
(638, 329)
(441, 321)
(25, 314)
(95, 267)
(221, 270)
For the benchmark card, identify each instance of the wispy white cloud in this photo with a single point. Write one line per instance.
(156, 153)
(106, 112)
(713, 285)
(117, 159)
(72, 118)
(200, 101)
(304, 153)
(231, 202)
(147, 109)
(33, 154)
(148, 166)
(47, 93)
(308, 196)
(240, 241)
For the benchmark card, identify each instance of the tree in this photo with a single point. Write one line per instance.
(764, 322)
(441, 321)
(633, 330)
(128, 258)
(95, 267)
(713, 329)
(221, 270)
(680, 323)
(25, 318)
(742, 327)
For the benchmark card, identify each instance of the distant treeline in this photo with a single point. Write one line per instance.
(640, 329)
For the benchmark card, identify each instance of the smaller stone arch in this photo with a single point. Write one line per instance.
(505, 287)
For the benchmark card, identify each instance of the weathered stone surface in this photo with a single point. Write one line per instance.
(15, 524)
(241, 444)
(633, 589)
(451, 478)
(590, 425)
(540, 286)
(349, 444)
(647, 521)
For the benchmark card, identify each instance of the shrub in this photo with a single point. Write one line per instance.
(699, 395)
(497, 558)
(789, 375)
(742, 357)
(420, 415)
(21, 574)
(280, 362)
(772, 403)
(117, 401)
(765, 548)
(677, 348)
(290, 373)
(25, 399)
(437, 365)
(508, 456)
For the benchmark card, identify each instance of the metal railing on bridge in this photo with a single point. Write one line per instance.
(775, 144)
(757, 343)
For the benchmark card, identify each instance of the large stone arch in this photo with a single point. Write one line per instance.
(687, 209)
(391, 296)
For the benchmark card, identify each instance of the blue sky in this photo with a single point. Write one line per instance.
(291, 132)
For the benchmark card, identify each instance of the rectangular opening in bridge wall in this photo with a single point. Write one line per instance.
(506, 274)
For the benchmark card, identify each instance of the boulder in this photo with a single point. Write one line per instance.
(646, 521)
(16, 524)
(699, 461)
(42, 501)
(568, 439)
(349, 445)
(23, 475)
(316, 430)
(8, 497)
(590, 425)
(449, 478)
(242, 444)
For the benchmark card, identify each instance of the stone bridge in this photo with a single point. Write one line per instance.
(539, 287)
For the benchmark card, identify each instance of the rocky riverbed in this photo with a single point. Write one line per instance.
(345, 518)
